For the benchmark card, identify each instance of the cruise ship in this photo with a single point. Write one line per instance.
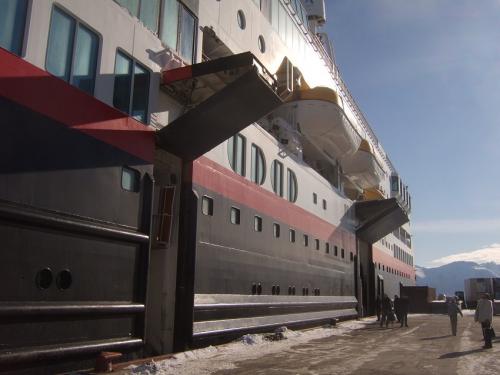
(177, 173)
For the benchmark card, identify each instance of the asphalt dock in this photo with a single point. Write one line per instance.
(425, 347)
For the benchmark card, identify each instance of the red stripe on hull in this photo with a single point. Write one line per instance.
(50, 96)
(214, 177)
(381, 257)
(178, 74)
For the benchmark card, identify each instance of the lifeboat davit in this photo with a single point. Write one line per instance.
(363, 168)
(323, 122)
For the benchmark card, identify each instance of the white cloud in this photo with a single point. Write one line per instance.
(486, 254)
(456, 226)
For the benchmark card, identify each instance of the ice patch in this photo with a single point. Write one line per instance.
(213, 358)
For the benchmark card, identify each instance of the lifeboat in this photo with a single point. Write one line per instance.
(373, 194)
(321, 120)
(363, 168)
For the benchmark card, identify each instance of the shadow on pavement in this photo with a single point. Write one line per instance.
(434, 337)
(460, 354)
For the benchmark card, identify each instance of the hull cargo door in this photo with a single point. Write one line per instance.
(75, 217)
(377, 218)
(223, 96)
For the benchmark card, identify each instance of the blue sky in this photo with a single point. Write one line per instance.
(426, 74)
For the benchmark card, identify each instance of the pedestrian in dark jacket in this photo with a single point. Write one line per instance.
(386, 311)
(397, 307)
(378, 307)
(453, 311)
(404, 306)
(484, 315)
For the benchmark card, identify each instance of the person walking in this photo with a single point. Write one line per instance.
(397, 307)
(453, 311)
(484, 315)
(386, 311)
(378, 307)
(404, 307)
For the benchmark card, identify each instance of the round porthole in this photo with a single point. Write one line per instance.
(44, 278)
(242, 22)
(64, 279)
(262, 44)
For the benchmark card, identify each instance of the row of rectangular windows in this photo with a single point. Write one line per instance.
(72, 49)
(236, 149)
(391, 270)
(402, 255)
(170, 20)
(315, 200)
(207, 208)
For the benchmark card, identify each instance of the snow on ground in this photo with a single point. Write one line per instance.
(213, 358)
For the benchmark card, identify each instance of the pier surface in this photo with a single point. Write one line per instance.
(426, 347)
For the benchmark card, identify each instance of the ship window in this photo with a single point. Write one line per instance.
(324, 204)
(336, 251)
(169, 22)
(291, 235)
(131, 5)
(207, 206)
(12, 21)
(394, 183)
(292, 186)
(187, 35)
(178, 29)
(235, 216)
(131, 87)
(146, 10)
(236, 151)
(258, 165)
(316, 244)
(130, 179)
(258, 3)
(327, 248)
(315, 198)
(242, 22)
(342, 253)
(276, 230)
(351, 256)
(257, 224)
(277, 177)
(72, 51)
(148, 14)
(306, 240)
(261, 43)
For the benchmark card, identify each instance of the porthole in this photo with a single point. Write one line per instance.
(277, 177)
(207, 206)
(44, 278)
(258, 165)
(242, 22)
(64, 280)
(234, 216)
(131, 179)
(262, 44)
(292, 186)
(236, 149)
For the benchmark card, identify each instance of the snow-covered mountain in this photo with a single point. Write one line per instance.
(450, 277)
(486, 254)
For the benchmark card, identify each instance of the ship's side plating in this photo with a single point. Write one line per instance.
(230, 253)
(75, 216)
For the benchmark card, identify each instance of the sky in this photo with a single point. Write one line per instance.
(426, 75)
